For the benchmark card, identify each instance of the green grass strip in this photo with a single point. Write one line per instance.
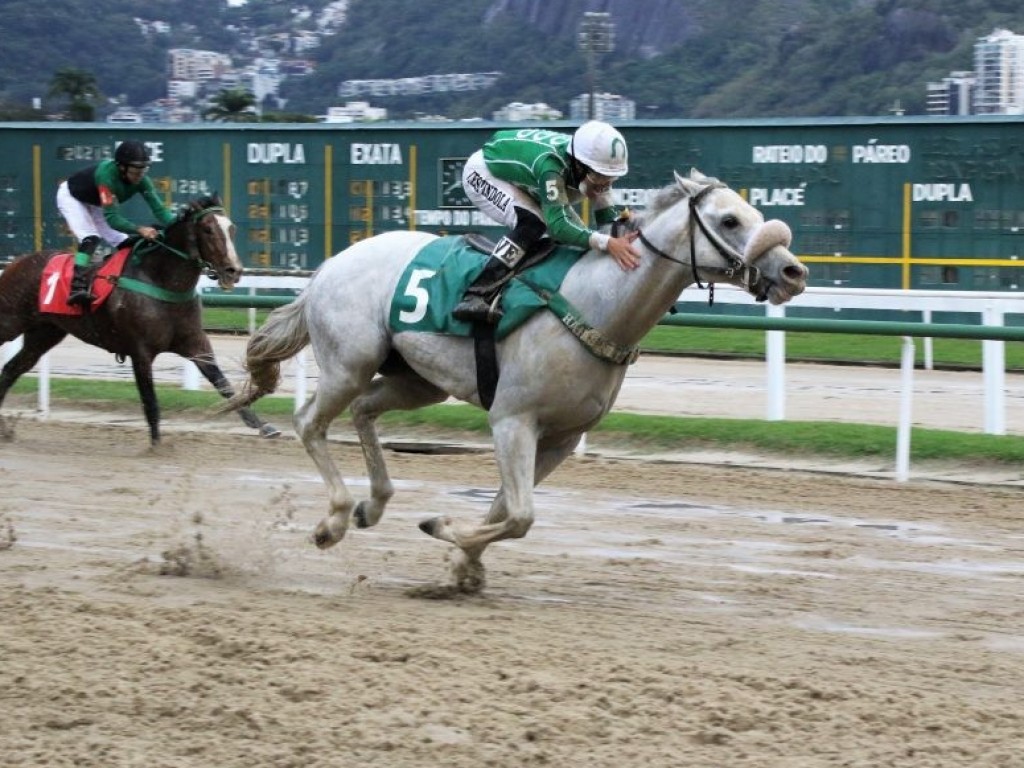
(639, 431)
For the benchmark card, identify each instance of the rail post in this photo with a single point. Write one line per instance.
(904, 424)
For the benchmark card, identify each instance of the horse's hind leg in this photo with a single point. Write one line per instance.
(36, 343)
(213, 374)
(312, 421)
(406, 391)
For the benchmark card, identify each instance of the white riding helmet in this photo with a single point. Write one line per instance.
(601, 148)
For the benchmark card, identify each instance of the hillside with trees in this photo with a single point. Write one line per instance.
(698, 58)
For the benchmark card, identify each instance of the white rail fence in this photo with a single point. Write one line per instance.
(991, 307)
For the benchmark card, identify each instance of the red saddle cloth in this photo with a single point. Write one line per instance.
(55, 286)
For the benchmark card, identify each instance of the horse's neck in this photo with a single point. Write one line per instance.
(626, 305)
(171, 269)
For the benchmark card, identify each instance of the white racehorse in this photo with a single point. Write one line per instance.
(552, 388)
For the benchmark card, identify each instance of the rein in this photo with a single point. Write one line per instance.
(155, 291)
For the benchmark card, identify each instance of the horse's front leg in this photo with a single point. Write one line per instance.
(511, 514)
(466, 565)
(395, 392)
(142, 367)
(207, 366)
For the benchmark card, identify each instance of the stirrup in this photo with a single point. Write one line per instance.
(81, 299)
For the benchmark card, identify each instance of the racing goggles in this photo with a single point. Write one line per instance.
(598, 182)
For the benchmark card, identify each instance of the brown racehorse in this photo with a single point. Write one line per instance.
(153, 308)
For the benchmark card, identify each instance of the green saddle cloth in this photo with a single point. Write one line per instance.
(439, 274)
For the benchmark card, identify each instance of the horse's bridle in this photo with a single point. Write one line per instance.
(145, 246)
(748, 274)
(194, 253)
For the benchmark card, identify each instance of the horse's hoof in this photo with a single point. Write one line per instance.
(269, 431)
(331, 529)
(429, 527)
(329, 532)
(469, 577)
(322, 538)
(359, 516)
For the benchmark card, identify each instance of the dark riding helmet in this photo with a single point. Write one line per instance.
(131, 153)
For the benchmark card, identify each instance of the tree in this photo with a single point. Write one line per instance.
(232, 105)
(11, 111)
(287, 117)
(80, 88)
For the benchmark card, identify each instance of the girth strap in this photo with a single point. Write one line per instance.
(153, 291)
(487, 372)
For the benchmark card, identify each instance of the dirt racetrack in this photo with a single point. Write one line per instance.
(165, 609)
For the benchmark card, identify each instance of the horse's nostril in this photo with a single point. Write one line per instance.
(798, 272)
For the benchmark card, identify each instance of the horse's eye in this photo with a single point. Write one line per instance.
(730, 222)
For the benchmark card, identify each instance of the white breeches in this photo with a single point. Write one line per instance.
(85, 220)
(496, 198)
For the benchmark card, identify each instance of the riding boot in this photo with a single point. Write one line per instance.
(482, 301)
(81, 290)
(81, 280)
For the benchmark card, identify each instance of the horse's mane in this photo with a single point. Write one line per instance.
(188, 210)
(207, 201)
(670, 194)
(663, 199)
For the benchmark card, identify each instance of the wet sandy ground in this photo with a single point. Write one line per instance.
(166, 609)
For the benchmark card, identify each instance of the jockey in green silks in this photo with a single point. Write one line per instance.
(529, 179)
(89, 202)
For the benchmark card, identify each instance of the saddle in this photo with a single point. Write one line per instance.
(436, 279)
(55, 285)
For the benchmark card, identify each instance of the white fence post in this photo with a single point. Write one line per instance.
(775, 361)
(993, 368)
(906, 410)
(44, 385)
(252, 312)
(929, 357)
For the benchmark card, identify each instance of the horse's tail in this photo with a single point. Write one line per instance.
(280, 338)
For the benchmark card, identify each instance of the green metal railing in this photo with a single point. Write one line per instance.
(867, 327)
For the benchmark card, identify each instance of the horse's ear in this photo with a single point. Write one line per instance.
(690, 185)
(699, 177)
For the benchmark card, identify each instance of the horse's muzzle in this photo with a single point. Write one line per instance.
(226, 279)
